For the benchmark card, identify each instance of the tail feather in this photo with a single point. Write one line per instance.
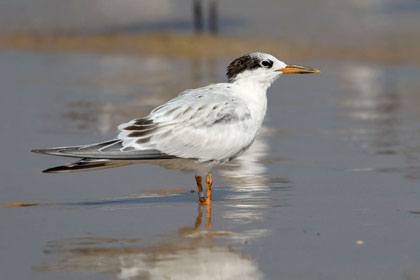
(87, 165)
(112, 150)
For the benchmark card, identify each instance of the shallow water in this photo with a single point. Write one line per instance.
(329, 190)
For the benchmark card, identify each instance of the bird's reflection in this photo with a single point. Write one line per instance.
(194, 254)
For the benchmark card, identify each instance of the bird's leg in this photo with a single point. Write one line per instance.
(209, 182)
(200, 189)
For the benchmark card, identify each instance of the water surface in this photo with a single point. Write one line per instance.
(329, 190)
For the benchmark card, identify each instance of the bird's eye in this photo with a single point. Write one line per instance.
(266, 63)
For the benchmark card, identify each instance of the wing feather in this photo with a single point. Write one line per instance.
(112, 149)
(201, 124)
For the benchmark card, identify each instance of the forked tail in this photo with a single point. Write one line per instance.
(87, 165)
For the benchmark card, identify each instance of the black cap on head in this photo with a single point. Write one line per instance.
(246, 62)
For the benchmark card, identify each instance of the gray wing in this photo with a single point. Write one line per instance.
(105, 150)
(208, 124)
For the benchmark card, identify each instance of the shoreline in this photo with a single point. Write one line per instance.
(205, 46)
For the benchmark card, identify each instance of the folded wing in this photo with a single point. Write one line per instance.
(205, 124)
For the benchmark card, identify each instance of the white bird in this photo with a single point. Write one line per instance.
(195, 131)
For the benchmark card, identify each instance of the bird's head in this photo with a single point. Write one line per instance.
(262, 68)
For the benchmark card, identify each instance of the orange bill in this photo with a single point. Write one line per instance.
(297, 69)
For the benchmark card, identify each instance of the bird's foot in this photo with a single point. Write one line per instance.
(204, 201)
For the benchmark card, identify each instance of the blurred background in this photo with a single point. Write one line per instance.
(329, 190)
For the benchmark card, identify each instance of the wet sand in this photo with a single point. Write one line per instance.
(329, 190)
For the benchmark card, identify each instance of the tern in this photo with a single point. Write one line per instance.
(195, 131)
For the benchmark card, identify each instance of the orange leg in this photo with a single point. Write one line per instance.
(200, 189)
(209, 182)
